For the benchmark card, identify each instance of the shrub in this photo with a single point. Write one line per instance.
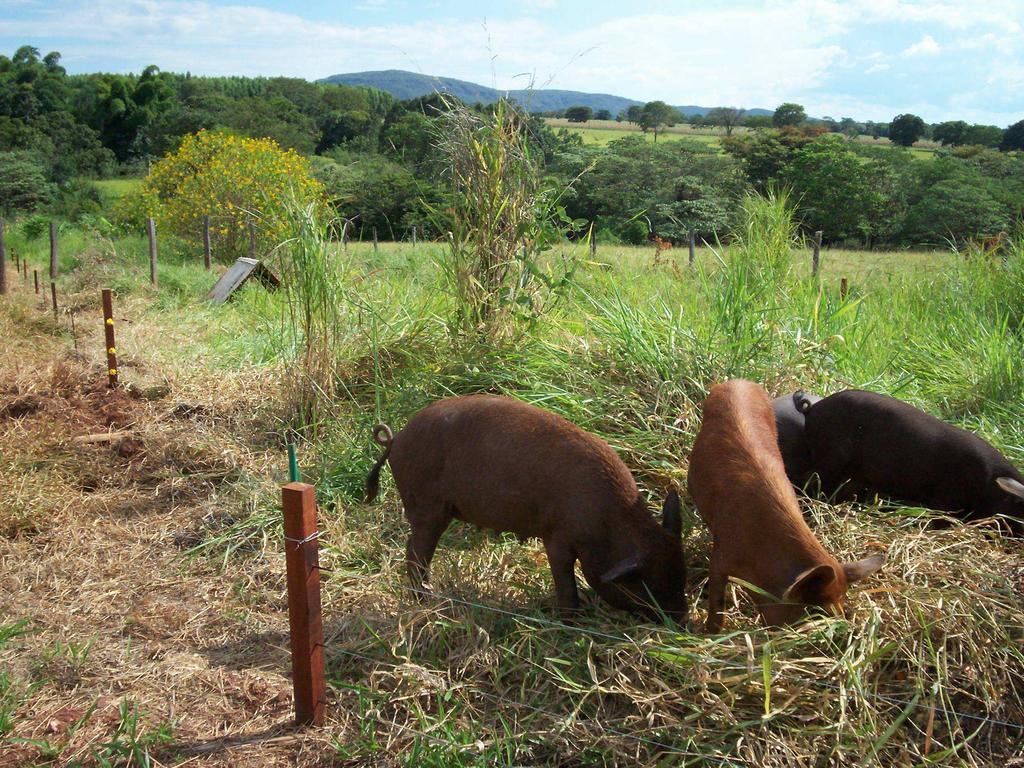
(79, 198)
(34, 227)
(376, 192)
(23, 184)
(232, 180)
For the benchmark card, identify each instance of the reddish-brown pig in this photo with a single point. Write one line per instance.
(738, 481)
(502, 464)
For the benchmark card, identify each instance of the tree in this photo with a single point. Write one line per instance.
(230, 178)
(839, 192)
(905, 129)
(675, 185)
(758, 122)
(603, 114)
(950, 133)
(984, 135)
(656, 114)
(23, 184)
(1013, 137)
(952, 199)
(788, 114)
(726, 117)
(633, 113)
(578, 114)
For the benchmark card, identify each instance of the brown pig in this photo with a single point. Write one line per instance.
(502, 464)
(738, 481)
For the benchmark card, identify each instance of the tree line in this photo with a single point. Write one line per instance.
(378, 158)
(903, 129)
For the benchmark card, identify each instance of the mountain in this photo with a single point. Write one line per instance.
(409, 85)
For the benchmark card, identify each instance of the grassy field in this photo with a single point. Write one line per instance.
(113, 189)
(146, 620)
(601, 132)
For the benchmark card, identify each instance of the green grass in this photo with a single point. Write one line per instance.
(602, 132)
(629, 353)
(112, 190)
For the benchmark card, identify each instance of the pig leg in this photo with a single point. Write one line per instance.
(427, 527)
(563, 562)
(717, 579)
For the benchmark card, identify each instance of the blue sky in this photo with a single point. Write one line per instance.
(868, 59)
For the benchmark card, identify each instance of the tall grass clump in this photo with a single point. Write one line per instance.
(747, 293)
(315, 313)
(504, 217)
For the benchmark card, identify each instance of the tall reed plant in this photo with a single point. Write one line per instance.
(504, 219)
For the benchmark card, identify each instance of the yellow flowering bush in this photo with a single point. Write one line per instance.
(233, 180)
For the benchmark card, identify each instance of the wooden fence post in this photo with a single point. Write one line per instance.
(108, 331)
(206, 241)
(53, 250)
(3, 260)
(35, 279)
(252, 239)
(151, 232)
(693, 246)
(304, 618)
(593, 240)
(374, 239)
(816, 254)
(844, 288)
(53, 295)
(413, 235)
(24, 270)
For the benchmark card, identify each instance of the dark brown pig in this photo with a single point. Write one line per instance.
(739, 483)
(789, 423)
(863, 441)
(502, 464)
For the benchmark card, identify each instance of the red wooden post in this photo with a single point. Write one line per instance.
(302, 558)
(108, 329)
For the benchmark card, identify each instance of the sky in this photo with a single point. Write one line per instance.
(867, 59)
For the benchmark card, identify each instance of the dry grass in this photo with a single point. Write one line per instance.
(117, 623)
(151, 585)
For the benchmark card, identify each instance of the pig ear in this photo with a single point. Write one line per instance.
(1011, 486)
(810, 583)
(671, 516)
(624, 567)
(862, 568)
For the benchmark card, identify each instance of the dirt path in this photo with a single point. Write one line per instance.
(112, 642)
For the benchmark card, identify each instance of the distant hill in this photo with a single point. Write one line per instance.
(409, 85)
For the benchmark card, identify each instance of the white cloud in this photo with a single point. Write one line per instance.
(701, 53)
(926, 46)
